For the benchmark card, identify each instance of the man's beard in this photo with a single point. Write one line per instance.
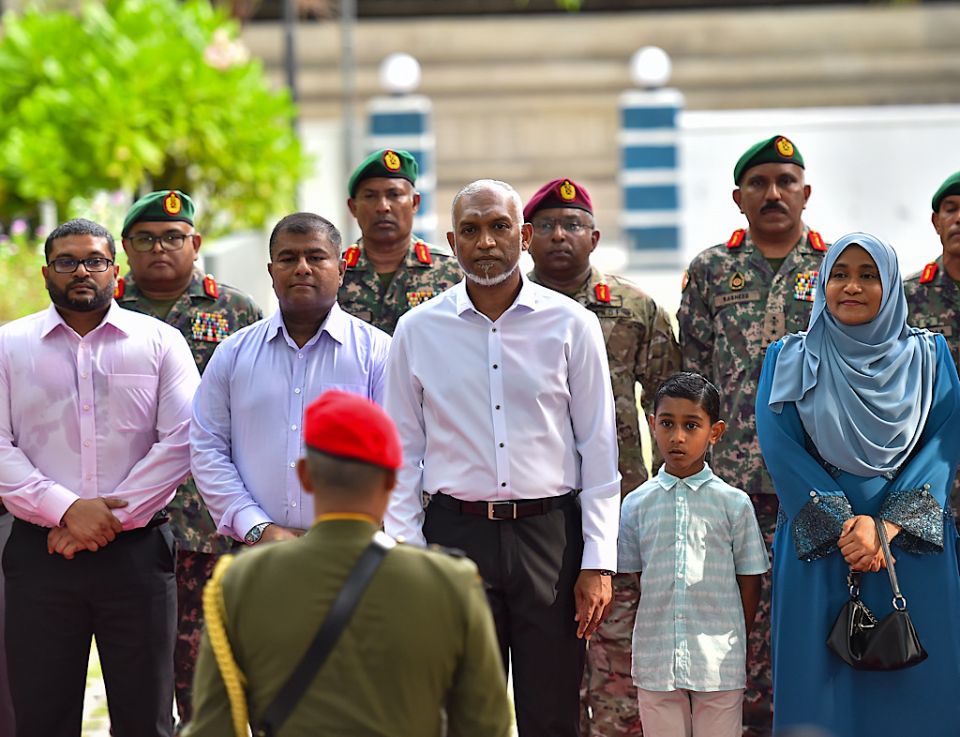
(489, 281)
(100, 299)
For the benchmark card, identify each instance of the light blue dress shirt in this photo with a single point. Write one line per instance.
(247, 429)
(690, 538)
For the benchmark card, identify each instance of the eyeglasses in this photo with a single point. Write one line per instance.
(570, 227)
(143, 242)
(65, 265)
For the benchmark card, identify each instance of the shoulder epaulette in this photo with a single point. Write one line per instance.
(737, 238)
(929, 272)
(352, 256)
(816, 240)
(602, 291)
(119, 289)
(210, 287)
(423, 253)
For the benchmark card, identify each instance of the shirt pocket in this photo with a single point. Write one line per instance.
(133, 401)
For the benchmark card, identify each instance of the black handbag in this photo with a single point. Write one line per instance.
(863, 642)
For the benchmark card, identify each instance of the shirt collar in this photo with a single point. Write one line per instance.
(669, 481)
(527, 297)
(335, 325)
(116, 316)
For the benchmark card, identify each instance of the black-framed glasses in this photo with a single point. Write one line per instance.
(66, 265)
(143, 242)
(571, 227)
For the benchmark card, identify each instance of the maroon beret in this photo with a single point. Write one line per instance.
(558, 193)
(349, 426)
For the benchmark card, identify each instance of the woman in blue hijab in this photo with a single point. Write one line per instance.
(859, 417)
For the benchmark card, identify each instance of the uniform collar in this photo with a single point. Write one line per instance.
(801, 246)
(587, 290)
(669, 481)
(132, 292)
(410, 261)
(116, 316)
(335, 325)
(527, 298)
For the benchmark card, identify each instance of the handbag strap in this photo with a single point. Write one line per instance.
(333, 625)
(899, 600)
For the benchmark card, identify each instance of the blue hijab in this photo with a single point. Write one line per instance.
(863, 391)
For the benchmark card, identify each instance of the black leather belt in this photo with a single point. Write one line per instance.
(504, 510)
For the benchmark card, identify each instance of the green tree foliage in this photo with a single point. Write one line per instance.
(127, 95)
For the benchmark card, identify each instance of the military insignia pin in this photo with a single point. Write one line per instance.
(391, 160)
(805, 289)
(172, 204)
(737, 282)
(567, 190)
(784, 147)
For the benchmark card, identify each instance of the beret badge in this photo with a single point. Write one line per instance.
(567, 191)
(172, 204)
(784, 147)
(391, 160)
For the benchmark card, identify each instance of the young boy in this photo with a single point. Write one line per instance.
(696, 542)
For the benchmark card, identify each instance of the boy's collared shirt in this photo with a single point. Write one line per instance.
(690, 538)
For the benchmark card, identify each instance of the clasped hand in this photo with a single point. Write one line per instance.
(88, 524)
(859, 543)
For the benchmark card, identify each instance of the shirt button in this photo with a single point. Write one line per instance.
(86, 408)
(86, 443)
(83, 376)
(293, 427)
(89, 477)
(501, 445)
(293, 504)
(293, 464)
(299, 355)
(297, 390)
(497, 406)
(495, 365)
(493, 330)
(503, 483)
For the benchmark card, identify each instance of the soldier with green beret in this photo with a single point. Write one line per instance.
(162, 247)
(641, 348)
(933, 293)
(418, 656)
(738, 298)
(389, 270)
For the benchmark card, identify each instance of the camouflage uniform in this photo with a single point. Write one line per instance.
(206, 313)
(425, 272)
(641, 347)
(933, 298)
(733, 307)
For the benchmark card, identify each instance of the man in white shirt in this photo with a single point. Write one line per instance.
(94, 425)
(501, 392)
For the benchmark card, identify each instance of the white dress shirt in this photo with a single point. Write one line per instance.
(519, 408)
(247, 430)
(103, 415)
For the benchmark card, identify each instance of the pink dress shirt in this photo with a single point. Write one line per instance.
(104, 415)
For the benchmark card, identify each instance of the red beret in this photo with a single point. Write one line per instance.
(348, 426)
(558, 193)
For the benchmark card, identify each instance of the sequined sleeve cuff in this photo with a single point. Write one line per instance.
(817, 526)
(920, 518)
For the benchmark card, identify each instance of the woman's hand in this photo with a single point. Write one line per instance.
(859, 543)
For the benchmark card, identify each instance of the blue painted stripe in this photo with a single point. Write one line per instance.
(649, 117)
(398, 124)
(651, 197)
(648, 239)
(649, 157)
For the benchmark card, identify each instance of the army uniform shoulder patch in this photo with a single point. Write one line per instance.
(805, 287)
(736, 240)
(422, 252)
(420, 295)
(816, 241)
(210, 327)
(685, 280)
(928, 274)
(602, 293)
(352, 256)
(119, 290)
(210, 287)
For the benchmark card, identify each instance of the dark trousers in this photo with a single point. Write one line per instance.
(125, 596)
(529, 567)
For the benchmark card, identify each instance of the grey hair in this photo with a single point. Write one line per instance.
(484, 184)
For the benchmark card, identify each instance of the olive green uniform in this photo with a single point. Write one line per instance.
(205, 314)
(734, 305)
(641, 347)
(933, 298)
(421, 639)
(426, 271)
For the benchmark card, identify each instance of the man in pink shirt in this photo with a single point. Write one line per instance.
(94, 425)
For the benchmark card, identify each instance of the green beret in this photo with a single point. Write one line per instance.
(387, 162)
(949, 187)
(775, 150)
(167, 205)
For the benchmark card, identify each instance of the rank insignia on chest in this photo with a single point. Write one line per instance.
(805, 288)
(423, 253)
(422, 295)
(352, 256)
(210, 327)
(602, 292)
(737, 282)
(929, 272)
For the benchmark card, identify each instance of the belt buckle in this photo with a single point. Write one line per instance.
(492, 508)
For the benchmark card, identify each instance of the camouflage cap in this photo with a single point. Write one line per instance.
(949, 187)
(558, 193)
(387, 162)
(774, 150)
(165, 205)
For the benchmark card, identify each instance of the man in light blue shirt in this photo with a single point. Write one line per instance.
(246, 434)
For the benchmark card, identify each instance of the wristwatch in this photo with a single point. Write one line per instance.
(606, 572)
(255, 533)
